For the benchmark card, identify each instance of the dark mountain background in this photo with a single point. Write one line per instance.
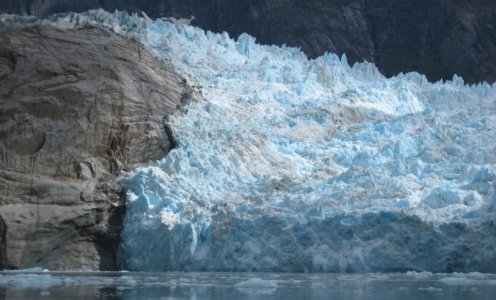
(436, 37)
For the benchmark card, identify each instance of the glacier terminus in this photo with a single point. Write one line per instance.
(290, 164)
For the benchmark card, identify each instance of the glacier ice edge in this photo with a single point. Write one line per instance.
(338, 167)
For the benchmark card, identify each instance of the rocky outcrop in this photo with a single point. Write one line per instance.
(435, 37)
(76, 109)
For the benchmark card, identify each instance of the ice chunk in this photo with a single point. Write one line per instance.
(257, 286)
(431, 289)
(257, 283)
(30, 281)
(466, 281)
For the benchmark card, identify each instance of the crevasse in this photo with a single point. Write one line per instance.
(290, 164)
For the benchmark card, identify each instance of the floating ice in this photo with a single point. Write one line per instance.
(257, 286)
(469, 279)
(32, 281)
(431, 289)
(257, 283)
(290, 164)
(30, 270)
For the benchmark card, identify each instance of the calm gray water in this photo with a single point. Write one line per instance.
(168, 286)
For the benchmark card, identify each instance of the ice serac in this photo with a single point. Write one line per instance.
(290, 164)
(438, 38)
(76, 108)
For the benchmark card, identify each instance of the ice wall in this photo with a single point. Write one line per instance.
(290, 164)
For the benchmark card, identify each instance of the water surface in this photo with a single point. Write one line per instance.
(130, 285)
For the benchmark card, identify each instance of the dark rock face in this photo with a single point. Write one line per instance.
(436, 37)
(76, 108)
(3, 244)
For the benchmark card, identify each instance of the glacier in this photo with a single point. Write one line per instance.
(284, 163)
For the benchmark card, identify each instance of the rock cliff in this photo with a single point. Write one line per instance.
(3, 244)
(436, 37)
(77, 107)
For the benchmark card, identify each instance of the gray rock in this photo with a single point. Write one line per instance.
(76, 109)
